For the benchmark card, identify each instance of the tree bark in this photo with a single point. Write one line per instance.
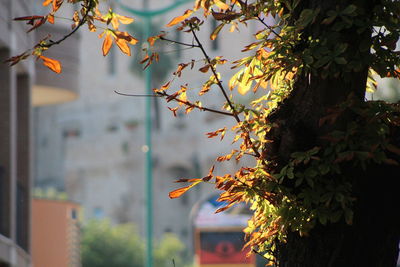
(373, 238)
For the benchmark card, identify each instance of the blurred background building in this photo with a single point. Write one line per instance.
(55, 233)
(92, 148)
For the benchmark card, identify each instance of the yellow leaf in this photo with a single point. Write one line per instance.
(244, 87)
(221, 4)
(182, 97)
(52, 64)
(125, 20)
(178, 19)
(123, 46)
(115, 23)
(107, 43)
(216, 31)
(91, 26)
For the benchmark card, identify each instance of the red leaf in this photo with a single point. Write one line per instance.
(29, 18)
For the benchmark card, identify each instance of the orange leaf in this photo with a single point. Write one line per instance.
(178, 19)
(50, 18)
(52, 64)
(57, 4)
(126, 36)
(180, 191)
(47, 2)
(107, 44)
(224, 208)
(205, 68)
(123, 46)
(184, 180)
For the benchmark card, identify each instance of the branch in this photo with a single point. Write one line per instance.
(81, 22)
(215, 74)
(177, 42)
(221, 87)
(269, 27)
(187, 103)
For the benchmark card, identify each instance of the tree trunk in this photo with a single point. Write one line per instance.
(373, 238)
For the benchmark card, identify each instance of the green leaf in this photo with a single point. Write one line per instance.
(321, 62)
(340, 60)
(306, 16)
(323, 218)
(349, 10)
(335, 216)
(348, 216)
(290, 174)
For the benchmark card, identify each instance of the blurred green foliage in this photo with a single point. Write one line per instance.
(105, 245)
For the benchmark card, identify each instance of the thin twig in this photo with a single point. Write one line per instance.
(257, 252)
(269, 27)
(135, 95)
(187, 103)
(177, 42)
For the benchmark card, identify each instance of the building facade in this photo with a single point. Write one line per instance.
(55, 233)
(15, 138)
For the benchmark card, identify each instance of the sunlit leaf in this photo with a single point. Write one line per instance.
(50, 18)
(123, 46)
(115, 22)
(107, 43)
(125, 20)
(47, 2)
(180, 191)
(221, 4)
(126, 36)
(178, 19)
(52, 64)
(216, 31)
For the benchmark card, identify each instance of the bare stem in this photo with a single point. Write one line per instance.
(186, 103)
(177, 42)
(269, 27)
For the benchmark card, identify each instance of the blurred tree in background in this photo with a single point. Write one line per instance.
(105, 245)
